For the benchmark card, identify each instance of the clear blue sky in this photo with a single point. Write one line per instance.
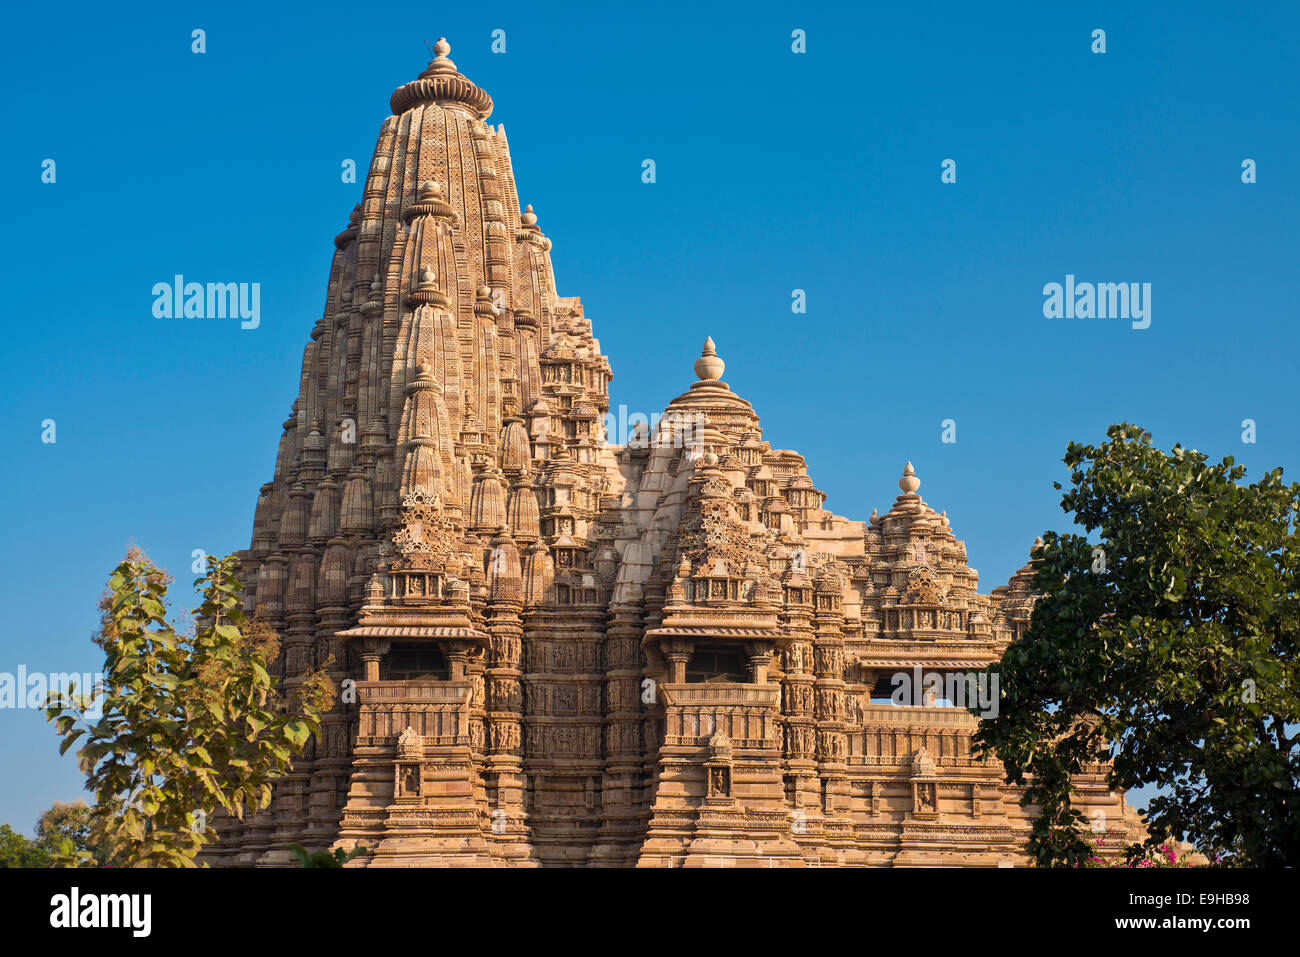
(775, 171)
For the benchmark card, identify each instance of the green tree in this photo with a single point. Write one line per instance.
(1168, 644)
(322, 858)
(18, 851)
(192, 722)
(65, 832)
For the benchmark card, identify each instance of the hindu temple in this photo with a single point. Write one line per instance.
(556, 650)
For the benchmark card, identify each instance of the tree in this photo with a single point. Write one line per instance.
(192, 721)
(65, 831)
(1167, 645)
(322, 858)
(17, 851)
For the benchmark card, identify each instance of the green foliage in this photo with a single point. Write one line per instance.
(192, 722)
(1175, 655)
(65, 832)
(325, 858)
(18, 851)
(62, 833)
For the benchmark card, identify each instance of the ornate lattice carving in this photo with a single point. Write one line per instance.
(422, 540)
(923, 588)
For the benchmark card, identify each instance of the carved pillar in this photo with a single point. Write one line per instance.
(803, 787)
(504, 690)
(622, 803)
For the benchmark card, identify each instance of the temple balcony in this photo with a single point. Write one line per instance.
(745, 713)
(437, 710)
(889, 735)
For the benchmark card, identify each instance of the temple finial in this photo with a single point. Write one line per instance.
(443, 84)
(709, 366)
(909, 483)
(441, 63)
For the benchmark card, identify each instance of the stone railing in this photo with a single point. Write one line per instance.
(890, 734)
(436, 710)
(886, 644)
(745, 713)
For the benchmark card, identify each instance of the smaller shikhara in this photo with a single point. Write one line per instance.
(557, 650)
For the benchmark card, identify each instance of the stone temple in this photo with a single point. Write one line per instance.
(555, 650)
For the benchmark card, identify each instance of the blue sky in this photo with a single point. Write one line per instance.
(775, 172)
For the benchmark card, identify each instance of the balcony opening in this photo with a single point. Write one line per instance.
(413, 661)
(710, 665)
(957, 689)
(882, 691)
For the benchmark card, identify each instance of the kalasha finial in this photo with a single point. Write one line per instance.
(427, 276)
(909, 483)
(709, 366)
(529, 218)
(440, 83)
(441, 63)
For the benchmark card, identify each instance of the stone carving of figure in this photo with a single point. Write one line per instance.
(718, 783)
(476, 692)
(922, 762)
(925, 798)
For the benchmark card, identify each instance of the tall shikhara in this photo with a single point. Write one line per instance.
(555, 650)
